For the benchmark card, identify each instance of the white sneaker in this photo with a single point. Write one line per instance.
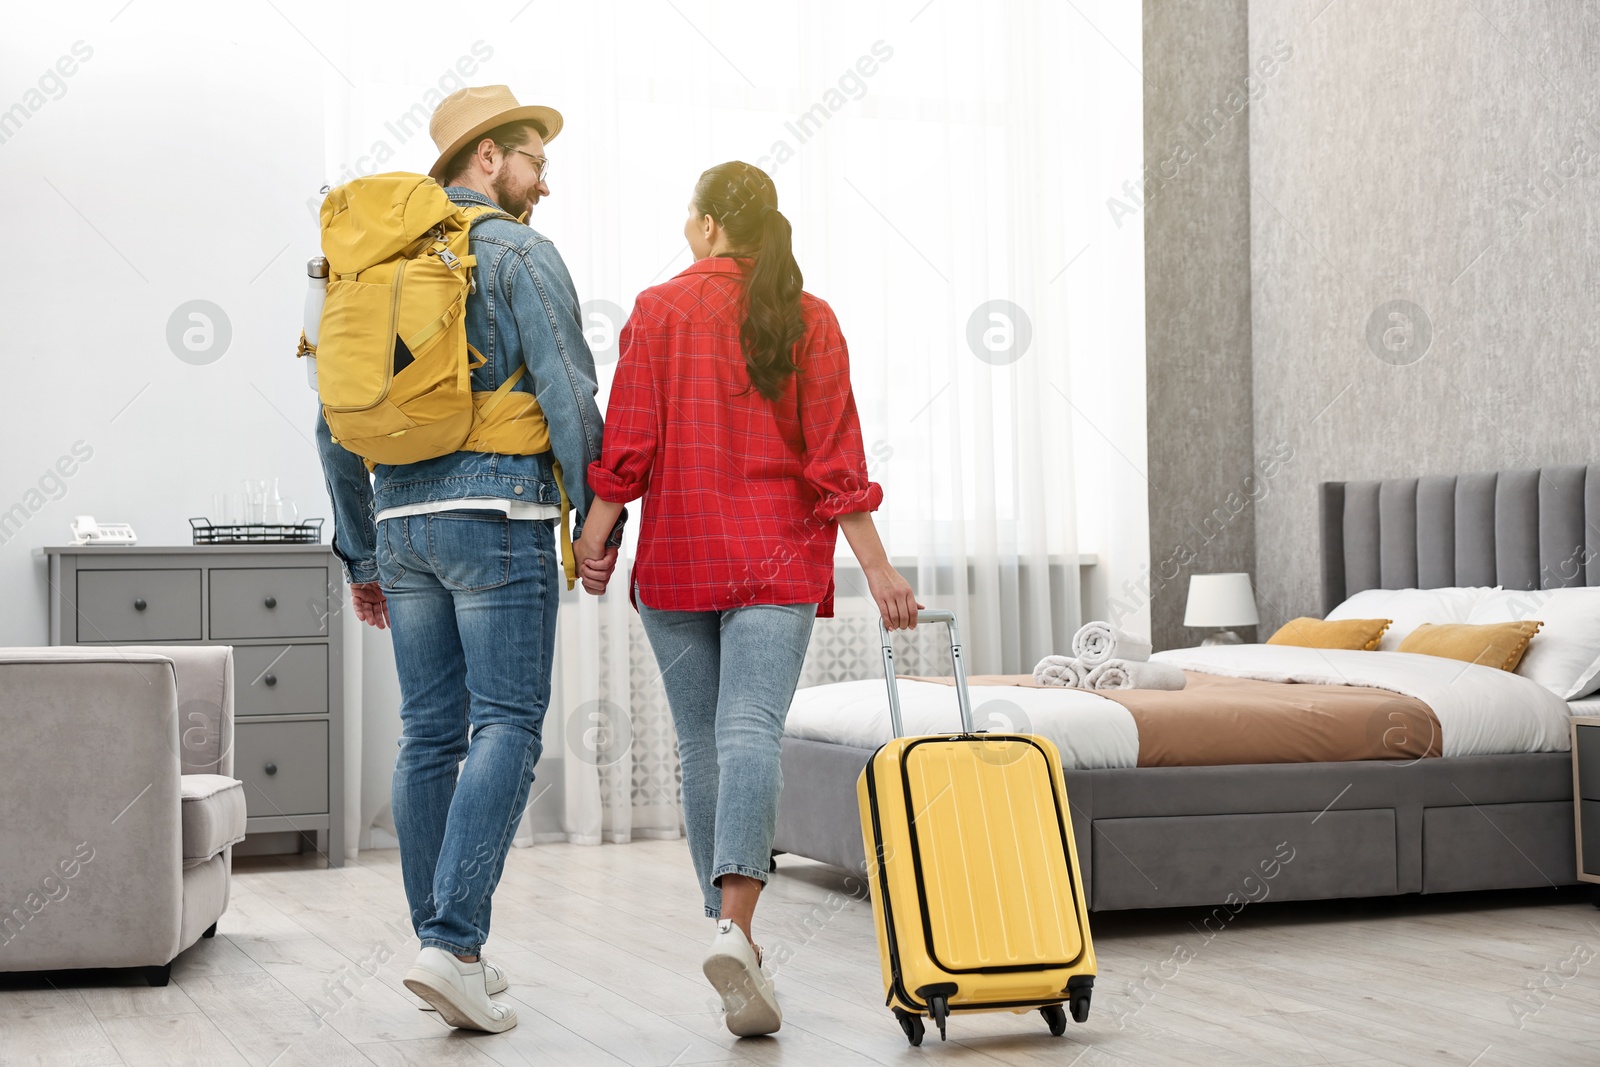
(458, 991)
(748, 1000)
(494, 981)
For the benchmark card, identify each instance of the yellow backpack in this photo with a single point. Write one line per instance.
(393, 363)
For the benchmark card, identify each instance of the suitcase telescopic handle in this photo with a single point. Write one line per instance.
(927, 615)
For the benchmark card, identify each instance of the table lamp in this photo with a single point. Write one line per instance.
(1221, 601)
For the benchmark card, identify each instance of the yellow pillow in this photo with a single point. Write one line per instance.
(1499, 644)
(1360, 634)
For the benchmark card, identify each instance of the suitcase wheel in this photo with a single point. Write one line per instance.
(911, 1025)
(939, 1009)
(1056, 1016)
(1080, 1006)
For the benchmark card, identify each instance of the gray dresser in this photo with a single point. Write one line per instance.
(278, 606)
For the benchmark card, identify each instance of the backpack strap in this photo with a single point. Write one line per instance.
(505, 387)
(479, 212)
(417, 340)
(569, 560)
(476, 213)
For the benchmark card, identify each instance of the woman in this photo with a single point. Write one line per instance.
(732, 409)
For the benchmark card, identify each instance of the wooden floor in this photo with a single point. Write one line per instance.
(603, 949)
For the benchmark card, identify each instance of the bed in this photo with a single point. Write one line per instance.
(1486, 805)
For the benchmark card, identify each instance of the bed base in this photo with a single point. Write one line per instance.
(1160, 837)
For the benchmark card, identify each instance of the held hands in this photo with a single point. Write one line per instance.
(896, 602)
(595, 560)
(595, 563)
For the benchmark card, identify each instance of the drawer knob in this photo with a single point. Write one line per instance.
(271, 769)
(271, 679)
(271, 601)
(139, 604)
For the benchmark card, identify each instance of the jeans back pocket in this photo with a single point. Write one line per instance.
(470, 550)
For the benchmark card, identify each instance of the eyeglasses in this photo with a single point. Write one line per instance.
(544, 164)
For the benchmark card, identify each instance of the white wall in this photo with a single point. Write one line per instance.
(173, 164)
(165, 169)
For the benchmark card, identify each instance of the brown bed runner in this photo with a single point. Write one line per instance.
(1215, 721)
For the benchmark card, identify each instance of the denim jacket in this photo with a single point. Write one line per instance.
(525, 310)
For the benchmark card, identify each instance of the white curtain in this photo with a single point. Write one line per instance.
(945, 166)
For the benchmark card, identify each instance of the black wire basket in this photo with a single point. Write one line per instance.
(308, 532)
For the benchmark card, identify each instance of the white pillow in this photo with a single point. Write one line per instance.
(1410, 608)
(1564, 656)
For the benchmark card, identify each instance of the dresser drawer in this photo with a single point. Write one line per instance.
(1588, 757)
(138, 605)
(269, 602)
(280, 680)
(284, 767)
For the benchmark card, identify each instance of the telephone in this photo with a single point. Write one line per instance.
(85, 531)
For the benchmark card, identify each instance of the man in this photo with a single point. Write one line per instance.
(461, 560)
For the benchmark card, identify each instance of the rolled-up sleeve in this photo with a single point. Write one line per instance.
(633, 424)
(835, 461)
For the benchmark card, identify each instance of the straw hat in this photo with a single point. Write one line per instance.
(470, 113)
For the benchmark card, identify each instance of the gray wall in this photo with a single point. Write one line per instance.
(1197, 300)
(1437, 152)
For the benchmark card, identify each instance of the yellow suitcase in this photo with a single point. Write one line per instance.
(973, 872)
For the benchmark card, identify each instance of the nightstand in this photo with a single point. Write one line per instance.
(278, 606)
(1586, 796)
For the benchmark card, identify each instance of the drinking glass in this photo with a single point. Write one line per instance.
(272, 506)
(255, 496)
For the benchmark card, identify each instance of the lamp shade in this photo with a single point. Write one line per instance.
(1221, 600)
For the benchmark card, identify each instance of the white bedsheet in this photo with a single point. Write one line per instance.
(1090, 730)
(1481, 710)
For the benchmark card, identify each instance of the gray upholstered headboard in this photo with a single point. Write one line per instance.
(1521, 529)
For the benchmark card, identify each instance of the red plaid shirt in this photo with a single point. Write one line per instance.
(741, 494)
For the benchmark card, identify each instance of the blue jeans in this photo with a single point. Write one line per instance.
(472, 609)
(730, 677)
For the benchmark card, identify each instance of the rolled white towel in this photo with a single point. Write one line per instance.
(1123, 674)
(1099, 642)
(1060, 670)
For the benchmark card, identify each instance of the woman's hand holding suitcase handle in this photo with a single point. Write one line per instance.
(897, 604)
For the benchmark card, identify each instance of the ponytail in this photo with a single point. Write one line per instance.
(744, 201)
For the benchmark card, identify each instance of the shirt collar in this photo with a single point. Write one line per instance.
(461, 196)
(458, 193)
(713, 265)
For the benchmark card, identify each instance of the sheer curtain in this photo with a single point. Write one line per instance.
(945, 166)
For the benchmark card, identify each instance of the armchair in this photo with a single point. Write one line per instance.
(118, 808)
